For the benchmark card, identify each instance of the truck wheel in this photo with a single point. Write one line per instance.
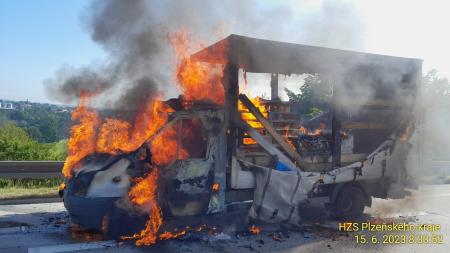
(349, 203)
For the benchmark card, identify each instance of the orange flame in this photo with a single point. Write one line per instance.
(315, 132)
(169, 235)
(144, 194)
(79, 233)
(83, 135)
(248, 117)
(164, 148)
(111, 136)
(286, 137)
(254, 229)
(405, 135)
(120, 136)
(197, 81)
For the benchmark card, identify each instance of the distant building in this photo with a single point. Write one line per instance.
(7, 106)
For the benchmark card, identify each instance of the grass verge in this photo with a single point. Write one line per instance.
(28, 188)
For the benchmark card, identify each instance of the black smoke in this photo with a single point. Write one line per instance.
(134, 35)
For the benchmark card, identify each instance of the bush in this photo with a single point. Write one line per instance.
(16, 145)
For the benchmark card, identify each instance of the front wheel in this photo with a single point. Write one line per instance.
(349, 203)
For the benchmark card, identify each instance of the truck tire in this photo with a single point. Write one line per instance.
(349, 203)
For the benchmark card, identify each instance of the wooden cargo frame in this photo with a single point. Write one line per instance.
(265, 56)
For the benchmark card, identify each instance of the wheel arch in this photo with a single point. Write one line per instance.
(339, 187)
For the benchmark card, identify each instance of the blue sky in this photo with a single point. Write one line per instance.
(36, 39)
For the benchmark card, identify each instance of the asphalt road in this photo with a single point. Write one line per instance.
(44, 228)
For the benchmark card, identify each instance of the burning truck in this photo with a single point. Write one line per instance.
(213, 147)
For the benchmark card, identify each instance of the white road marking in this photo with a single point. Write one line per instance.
(73, 247)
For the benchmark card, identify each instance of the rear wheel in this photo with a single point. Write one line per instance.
(349, 203)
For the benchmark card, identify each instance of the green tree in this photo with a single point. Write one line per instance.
(3, 119)
(44, 123)
(314, 95)
(15, 144)
(58, 151)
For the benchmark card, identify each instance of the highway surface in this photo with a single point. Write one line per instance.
(45, 228)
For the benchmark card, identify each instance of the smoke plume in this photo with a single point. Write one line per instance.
(134, 35)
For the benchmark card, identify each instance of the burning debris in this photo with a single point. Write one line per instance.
(254, 229)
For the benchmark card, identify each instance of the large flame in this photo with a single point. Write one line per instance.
(112, 136)
(165, 147)
(120, 136)
(196, 80)
(83, 137)
(92, 135)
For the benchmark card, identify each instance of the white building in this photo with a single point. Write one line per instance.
(7, 106)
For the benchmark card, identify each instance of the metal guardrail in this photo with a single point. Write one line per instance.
(52, 169)
(31, 169)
